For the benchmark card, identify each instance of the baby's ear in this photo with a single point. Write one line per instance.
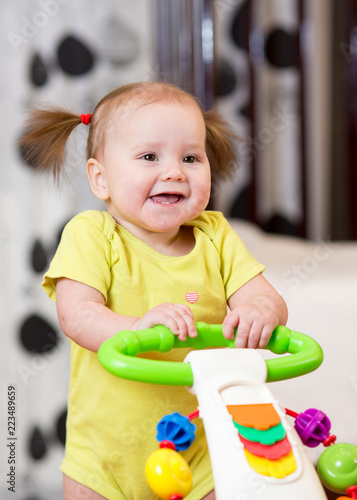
(97, 179)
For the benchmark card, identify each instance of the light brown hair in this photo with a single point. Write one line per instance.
(46, 132)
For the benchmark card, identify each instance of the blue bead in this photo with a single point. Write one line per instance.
(178, 429)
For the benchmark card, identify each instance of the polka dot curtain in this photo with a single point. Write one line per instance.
(70, 52)
(259, 87)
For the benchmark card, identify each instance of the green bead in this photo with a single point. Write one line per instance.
(337, 467)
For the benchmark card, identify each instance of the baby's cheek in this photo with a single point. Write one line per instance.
(203, 193)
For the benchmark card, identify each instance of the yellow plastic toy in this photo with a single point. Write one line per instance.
(168, 474)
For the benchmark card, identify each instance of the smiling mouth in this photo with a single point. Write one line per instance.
(167, 198)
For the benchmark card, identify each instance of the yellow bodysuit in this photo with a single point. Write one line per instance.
(111, 423)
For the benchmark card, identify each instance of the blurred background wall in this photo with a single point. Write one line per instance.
(283, 72)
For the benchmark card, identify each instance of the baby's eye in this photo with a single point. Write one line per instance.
(149, 157)
(190, 159)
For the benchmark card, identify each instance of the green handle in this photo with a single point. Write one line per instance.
(117, 354)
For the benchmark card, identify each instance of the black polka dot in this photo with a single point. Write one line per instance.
(225, 80)
(74, 57)
(240, 27)
(245, 111)
(38, 71)
(242, 204)
(281, 225)
(37, 445)
(37, 335)
(38, 257)
(61, 426)
(282, 49)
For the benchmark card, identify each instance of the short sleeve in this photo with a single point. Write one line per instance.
(238, 266)
(84, 255)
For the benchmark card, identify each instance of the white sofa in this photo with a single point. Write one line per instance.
(319, 283)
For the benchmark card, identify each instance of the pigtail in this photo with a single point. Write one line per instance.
(43, 141)
(221, 144)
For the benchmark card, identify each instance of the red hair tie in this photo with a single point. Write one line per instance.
(85, 118)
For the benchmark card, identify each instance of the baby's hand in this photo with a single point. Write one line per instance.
(177, 317)
(255, 324)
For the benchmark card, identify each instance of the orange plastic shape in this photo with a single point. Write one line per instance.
(260, 416)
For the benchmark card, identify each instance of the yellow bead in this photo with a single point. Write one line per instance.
(168, 473)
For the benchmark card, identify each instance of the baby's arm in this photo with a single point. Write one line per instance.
(255, 309)
(84, 317)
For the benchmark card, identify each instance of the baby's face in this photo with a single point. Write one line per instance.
(156, 168)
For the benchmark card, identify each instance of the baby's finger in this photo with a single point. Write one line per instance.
(243, 331)
(175, 320)
(182, 327)
(254, 335)
(187, 316)
(170, 323)
(191, 327)
(265, 337)
(185, 310)
(229, 324)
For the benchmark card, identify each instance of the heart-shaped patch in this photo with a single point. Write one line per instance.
(191, 297)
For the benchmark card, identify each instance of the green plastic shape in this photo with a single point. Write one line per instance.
(337, 467)
(267, 437)
(117, 354)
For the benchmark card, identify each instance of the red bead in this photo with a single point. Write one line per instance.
(330, 440)
(352, 491)
(167, 444)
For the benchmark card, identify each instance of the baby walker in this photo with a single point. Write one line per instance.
(256, 453)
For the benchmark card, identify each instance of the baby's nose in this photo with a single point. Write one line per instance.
(174, 172)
